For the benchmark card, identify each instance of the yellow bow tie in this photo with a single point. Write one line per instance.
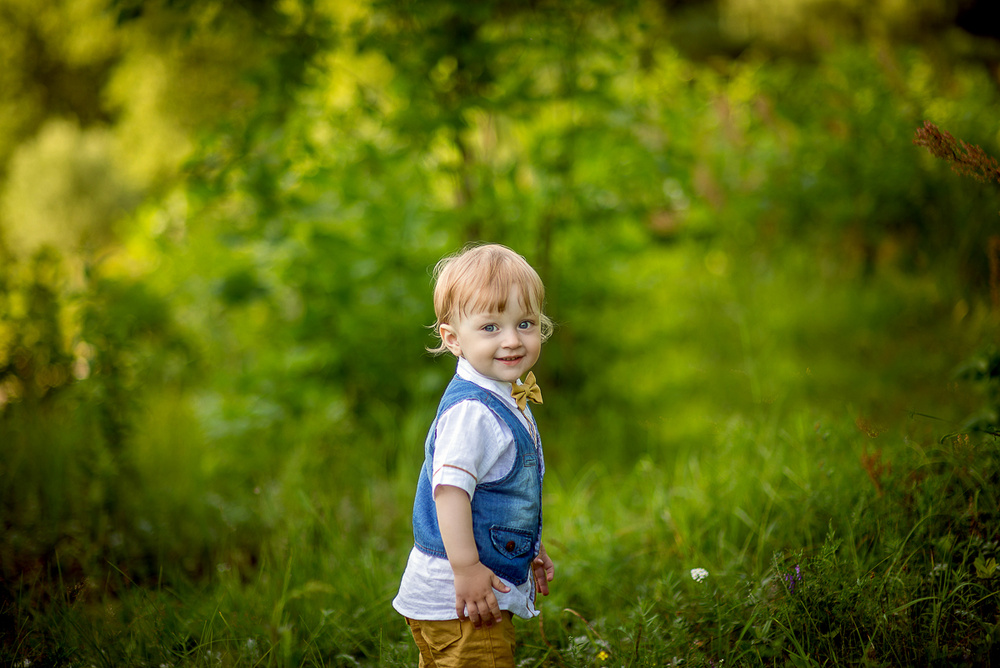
(522, 393)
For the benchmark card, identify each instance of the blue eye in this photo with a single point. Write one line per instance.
(526, 324)
(489, 328)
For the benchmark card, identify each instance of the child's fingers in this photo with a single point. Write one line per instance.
(482, 612)
(495, 610)
(485, 612)
(499, 585)
(547, 567)
(475, 616)
(541, 577)
(491, 600)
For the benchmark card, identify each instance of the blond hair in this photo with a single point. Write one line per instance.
(479, 278)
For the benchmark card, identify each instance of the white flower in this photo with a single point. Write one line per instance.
(699, 574)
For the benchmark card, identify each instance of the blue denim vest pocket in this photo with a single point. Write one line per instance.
(511, 543)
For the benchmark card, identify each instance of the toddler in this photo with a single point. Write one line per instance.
(478, 557)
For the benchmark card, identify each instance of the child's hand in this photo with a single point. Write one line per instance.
(474, 587)
(544, 571)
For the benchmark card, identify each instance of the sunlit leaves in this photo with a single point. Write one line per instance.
(66, 189)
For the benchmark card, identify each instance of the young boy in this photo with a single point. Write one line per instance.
(478, 558)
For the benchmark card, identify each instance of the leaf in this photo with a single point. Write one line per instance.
(985, 568)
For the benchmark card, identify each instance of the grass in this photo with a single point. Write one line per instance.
(874, 589)
(809, 565)
(836, 528)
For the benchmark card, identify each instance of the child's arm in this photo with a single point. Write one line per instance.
(544, 571)
(474, 582)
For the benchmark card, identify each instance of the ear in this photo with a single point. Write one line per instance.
(449, 337)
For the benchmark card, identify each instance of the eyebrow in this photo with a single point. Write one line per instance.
(527, 310)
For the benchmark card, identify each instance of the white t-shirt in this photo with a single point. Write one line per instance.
(471, 446)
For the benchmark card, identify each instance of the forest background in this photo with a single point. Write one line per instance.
(776, 321)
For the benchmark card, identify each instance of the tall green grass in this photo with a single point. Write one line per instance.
(816, 554)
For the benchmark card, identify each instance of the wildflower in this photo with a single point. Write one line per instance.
(792, 579)
(602, 655)
(699, 574)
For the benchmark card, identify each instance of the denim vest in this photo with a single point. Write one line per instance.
(506, 513)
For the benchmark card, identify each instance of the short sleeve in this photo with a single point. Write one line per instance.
(468, 443)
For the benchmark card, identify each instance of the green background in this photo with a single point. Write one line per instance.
(775, 322)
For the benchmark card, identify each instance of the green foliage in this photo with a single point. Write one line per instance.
(65, 190)
(36, 358)
(983, 369)
(212, 398)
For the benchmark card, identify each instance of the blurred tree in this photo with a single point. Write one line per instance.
(54, 60)
(106, 102)
(65, 189)
(157, 74)
(567, 130)
(951, 29)
(190, 68)
(36, 359)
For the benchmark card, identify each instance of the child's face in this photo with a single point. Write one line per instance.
(502, 346)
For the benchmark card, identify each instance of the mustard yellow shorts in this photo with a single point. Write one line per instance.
(456, 644)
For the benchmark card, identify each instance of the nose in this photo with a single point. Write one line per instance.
(511, 339)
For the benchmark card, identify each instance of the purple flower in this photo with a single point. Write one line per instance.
(792, 579)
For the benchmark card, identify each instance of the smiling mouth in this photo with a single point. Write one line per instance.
(510, 359)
